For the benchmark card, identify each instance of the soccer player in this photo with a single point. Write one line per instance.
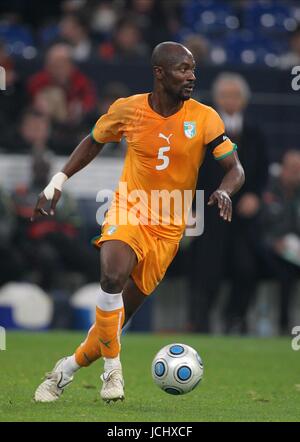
(167, 134)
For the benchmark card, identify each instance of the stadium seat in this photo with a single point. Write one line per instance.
(250, 48)
(16, 37)
(209, 16)
(269, 16)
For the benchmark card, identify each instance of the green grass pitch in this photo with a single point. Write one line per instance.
(245, 379)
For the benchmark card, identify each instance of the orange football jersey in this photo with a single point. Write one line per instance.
(164, 154)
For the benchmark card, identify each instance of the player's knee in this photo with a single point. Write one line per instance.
(112, 282)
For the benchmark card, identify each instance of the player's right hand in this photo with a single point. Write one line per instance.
(42, 203)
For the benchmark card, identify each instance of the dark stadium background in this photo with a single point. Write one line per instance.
(258, 40)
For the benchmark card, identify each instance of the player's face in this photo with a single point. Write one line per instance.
(179, 79)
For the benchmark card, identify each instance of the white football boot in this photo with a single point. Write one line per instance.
(53, 386)
(113, 386)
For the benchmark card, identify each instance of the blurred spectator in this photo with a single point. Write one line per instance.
(74, 30)
(230, 249)
(231, 96)
(127, 43)
(291, 58)
(32, 133)
(11, 264)
(146, 13)
(12, 99)
(199, 47)
(53, 253)
(60, 72)
(51, 101)
(65, 95)
(73, 6)
(103, 19)
(281, 221)
(111, 92)
(143, 8)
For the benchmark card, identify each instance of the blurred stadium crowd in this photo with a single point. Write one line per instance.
(67, 61)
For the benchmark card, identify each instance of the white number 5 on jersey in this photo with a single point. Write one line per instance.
(165, 159)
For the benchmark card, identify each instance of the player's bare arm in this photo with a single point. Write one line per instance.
(233, 180)
(83, 154)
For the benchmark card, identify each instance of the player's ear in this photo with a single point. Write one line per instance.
(158, 72)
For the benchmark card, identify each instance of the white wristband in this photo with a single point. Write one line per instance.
(56, 182)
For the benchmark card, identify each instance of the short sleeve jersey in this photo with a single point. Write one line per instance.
(164, 154)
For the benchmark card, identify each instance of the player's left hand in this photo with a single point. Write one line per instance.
(222, 198)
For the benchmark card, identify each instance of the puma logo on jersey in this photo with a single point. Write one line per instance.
(165, 137)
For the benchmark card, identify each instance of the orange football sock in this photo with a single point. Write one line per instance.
(103, 338)
(110, 324)
(89, 351)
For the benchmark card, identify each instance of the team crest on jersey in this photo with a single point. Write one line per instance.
(189, 129)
